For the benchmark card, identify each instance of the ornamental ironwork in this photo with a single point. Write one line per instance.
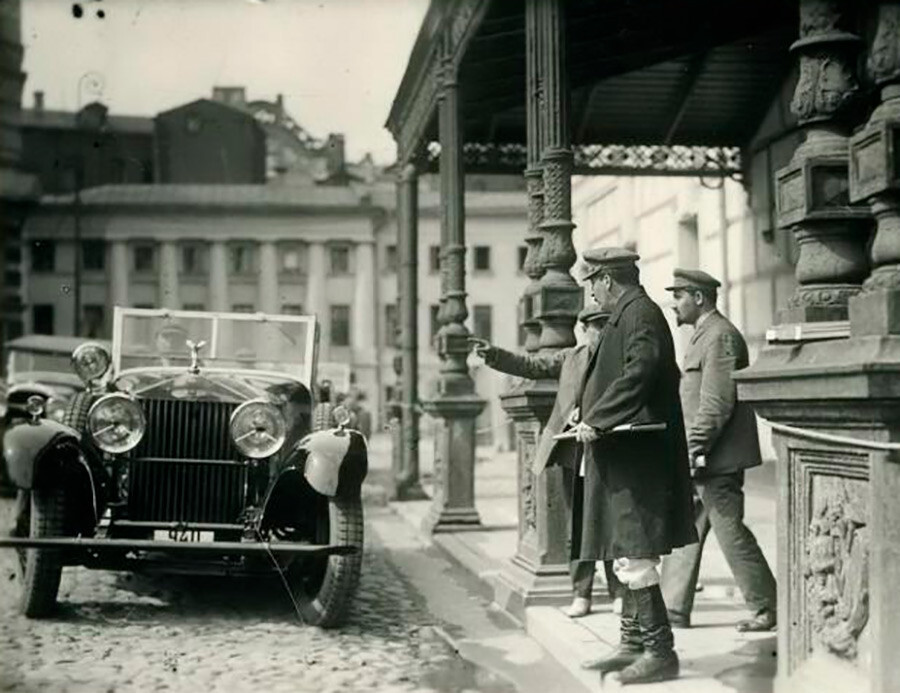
(604, 159)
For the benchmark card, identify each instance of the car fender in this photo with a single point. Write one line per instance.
(336, 461)
(25, 448)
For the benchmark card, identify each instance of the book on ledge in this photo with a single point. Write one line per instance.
(622, 428)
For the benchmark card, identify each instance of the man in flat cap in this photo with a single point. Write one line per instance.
(637, 483)
(722, 443)
(568, 367)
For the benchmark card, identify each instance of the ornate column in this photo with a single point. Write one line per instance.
(364, 303)
(406, 478)
(119, 273)
(875, 318)
(812, 191)
(268, 278)
(168, 275)
(316, 299)
(218, 276)
(454, 403)
(833, 404)
(539, 573)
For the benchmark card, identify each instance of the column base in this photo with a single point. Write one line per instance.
(516, 588)
(452, 520)
(410, 491)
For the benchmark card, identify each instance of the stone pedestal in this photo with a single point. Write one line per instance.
(838, 516)
(538, 574)
(453, 503)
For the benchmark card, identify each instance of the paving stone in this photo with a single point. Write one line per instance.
(128, 632)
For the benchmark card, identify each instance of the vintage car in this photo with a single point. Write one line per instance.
(197, 456)
(37, 364)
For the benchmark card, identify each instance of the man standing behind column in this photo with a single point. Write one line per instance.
(568, 367)
(722, 443)
(637, 483)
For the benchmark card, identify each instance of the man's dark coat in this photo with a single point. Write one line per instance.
(637, 500)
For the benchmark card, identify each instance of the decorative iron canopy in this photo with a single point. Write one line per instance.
(603, 159)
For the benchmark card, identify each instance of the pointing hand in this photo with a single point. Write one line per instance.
(482, 347)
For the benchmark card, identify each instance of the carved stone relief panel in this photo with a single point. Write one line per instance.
(527, 433)
(829, 556)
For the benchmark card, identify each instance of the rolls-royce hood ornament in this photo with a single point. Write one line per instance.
(195, 348)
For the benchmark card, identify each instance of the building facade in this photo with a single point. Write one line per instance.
(330, 251)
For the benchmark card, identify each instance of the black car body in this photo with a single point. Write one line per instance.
(197, 456)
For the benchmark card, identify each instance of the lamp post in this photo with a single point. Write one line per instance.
(87, 121)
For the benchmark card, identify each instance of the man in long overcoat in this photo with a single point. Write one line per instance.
(637, 483)
(722, 443)
(568, 367)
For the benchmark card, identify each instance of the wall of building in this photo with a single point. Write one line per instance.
(59, 156)
(209, 142)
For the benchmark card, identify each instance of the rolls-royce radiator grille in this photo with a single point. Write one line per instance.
(187, 429)
(186, 468)
(168, 490)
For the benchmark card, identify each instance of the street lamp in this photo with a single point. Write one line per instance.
(87, 121)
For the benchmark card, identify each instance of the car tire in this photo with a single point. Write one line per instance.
(322, 416)
(77, 410)
(329, 606)
(41, 569)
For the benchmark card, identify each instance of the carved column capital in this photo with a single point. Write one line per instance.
(813, 199)
(884, 54)
(827, 53)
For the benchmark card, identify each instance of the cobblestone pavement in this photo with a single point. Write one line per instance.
(126, 632)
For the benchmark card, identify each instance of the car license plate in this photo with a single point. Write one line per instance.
(185, 535)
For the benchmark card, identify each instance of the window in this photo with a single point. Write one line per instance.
(522, 336)
(340, 325)
(193, 259)
(523, 253)
(43, 257)
(435, 323)
(434, 259)
(482, 258)
(391, 260)
(291, 259)
(143, 258)
(93, 255)
(391, 338)
(340, 259)
(291, 309)
(42, 318)
(242, 308)
(241, 258)
(194, 306)
(483, 322)
(92, 321)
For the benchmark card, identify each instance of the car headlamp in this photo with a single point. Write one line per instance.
(258, 429)
(90, 361)
(56, 409)
(34, 405)
(116, 423)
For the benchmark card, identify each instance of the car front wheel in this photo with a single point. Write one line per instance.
(329, 584)
(40, 570)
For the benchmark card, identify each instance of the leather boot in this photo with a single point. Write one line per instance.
(659, 661)
(630, 644)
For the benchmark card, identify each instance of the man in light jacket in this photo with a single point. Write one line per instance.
(722, 443)
(568, 366)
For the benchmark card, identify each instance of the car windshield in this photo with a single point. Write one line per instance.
(245, 341)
